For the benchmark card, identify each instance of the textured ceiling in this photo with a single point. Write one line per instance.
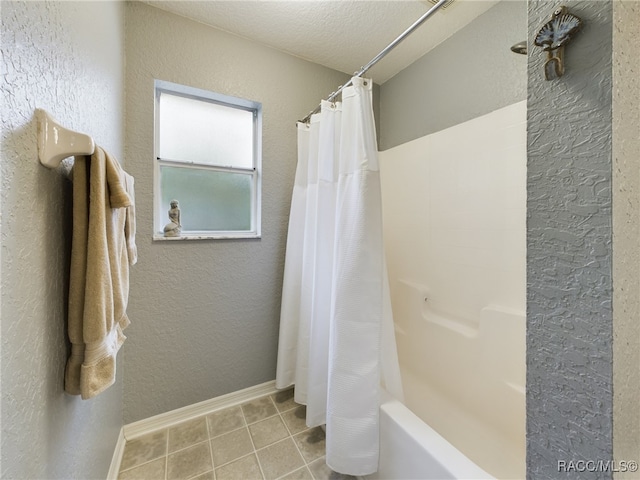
(340, 34)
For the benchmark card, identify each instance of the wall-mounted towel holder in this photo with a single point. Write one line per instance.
(55, 143)
(553, 37)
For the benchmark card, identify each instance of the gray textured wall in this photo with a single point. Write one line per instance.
(626, 233)
(205, 314)
(470, 74)
(569, 249)
(65, 57)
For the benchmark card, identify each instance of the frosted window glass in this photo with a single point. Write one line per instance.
(204, 132)
(209, 199)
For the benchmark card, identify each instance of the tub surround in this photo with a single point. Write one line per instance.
(458, 286)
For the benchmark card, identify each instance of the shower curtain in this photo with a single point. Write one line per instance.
(336, 329)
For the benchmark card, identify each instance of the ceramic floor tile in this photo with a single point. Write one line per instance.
(230, 446)
(311, 443)
(189, 462)
(143, 449)
(188, 433)
(243, 442)
(284, 400)
(245, 468)
(148, 471)
(258, 409)
(302, 474)
(321, 471)
(280, 459)
(205, 476)
(225, 421)
(296, 419)
(268, 431)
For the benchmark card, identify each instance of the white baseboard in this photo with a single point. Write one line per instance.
(168, 419)
(114, 468)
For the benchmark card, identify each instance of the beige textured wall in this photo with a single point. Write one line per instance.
(66, 57)
(626, 232)
(205, 314)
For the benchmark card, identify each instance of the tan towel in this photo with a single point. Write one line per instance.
(130, 224)
(103, 247)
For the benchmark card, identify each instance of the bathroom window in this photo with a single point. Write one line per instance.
(208, 159)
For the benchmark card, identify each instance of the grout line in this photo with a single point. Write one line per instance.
(187, 447)
(166, 458)
(236, 459)
(246, 426)
(207, 441)
(252, 443)
(304, 467)
(285, 423)
(279, 413)
(304, 460)
(199, 474)
(299, 433)
(141, 464)
(233, 430)
(213, 465)
(230, 431)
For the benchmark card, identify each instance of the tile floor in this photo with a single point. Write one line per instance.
(263, 439)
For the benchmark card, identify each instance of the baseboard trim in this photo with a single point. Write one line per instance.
(168, 419)
(114, 468)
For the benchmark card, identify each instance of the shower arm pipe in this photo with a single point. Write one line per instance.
(381, 55)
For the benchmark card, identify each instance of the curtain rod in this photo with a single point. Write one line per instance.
(381, 55)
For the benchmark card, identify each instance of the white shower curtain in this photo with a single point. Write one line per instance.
(336, 329)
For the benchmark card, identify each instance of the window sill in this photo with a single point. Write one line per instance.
(222, 236)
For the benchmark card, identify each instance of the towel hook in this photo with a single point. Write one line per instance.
(55, 143)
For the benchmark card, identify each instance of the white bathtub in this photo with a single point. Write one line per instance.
(411, 449)
(464, 411)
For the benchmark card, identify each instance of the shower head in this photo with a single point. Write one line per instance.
(520, 47)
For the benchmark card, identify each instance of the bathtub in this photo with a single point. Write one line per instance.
(464, 411)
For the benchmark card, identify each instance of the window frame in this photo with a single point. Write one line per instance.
(160, 218)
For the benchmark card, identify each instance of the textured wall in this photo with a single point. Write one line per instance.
(569, 249)
(65, 57)
(205, 314)
(626, 232)
(470, 74)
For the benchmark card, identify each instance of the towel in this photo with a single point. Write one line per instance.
(102, 249)
(130, 223)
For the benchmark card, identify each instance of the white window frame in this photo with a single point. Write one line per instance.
(160, 217)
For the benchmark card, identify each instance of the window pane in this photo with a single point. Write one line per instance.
(209, 200)
(203, 132)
